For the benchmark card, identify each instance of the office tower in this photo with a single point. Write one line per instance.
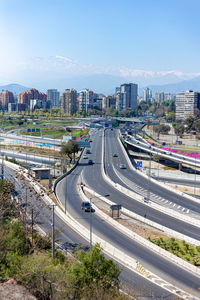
(84, 99)
(69, 103)
(5, 98)
(53, 97)
(169, 96)
(131, 92)
(159, 97)
(147, 95)
(120, 101)
(186, 104)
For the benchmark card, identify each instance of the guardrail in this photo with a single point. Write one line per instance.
(145, 220)
(156, 181)
(140, 198)
(109, 249)
(177, 260)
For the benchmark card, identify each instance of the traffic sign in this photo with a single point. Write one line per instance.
(139, 164)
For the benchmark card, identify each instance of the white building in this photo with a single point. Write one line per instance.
(53, 97)
(84, 97)
(186, 104)
(147, 95)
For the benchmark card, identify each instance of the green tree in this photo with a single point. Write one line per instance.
(70, 148)
(93, 269)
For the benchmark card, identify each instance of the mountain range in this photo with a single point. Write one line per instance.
(106, 84)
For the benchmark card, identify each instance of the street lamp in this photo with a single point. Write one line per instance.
(149, 175)
(90, 223)
(195, 175)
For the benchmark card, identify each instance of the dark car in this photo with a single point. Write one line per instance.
(86, 206)
(122, 166)
(115, 155)
(90, 162)
(87, 151)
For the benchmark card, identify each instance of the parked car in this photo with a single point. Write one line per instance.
(85, 156)
(122, 166)
(86, 206)
(87, 151)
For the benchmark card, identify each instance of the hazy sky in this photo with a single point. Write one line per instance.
(61, 38)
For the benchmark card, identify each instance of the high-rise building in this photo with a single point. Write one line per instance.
(5, 98)
(120, 101)
(31, 94)
(53, 97)
(84, 99)
(159, 97)
(186, 104)
(69, 103)
(131, 92)
(147, 95)
(24, 98)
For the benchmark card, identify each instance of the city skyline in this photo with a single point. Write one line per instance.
(143, 42)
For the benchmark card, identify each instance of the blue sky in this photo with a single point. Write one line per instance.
(57, 39)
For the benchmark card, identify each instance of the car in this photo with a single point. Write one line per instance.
(146, 200)
(86, 206)
(90, 162)
(87, 151)
(122, 166)
(90, 140)
(115, 155)
(85, 156)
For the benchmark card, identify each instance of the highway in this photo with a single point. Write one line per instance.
(67, 190)
(156, 192)
(97, 183)
(163, 153)
(70, 240)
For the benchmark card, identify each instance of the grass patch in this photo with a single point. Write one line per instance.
(179, 248)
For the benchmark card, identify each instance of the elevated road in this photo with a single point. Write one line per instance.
(181, 159)
(133, 179)
(67, 191)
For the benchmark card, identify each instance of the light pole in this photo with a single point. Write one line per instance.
(53, 231)
(66, 194)
(149, 175)
(195, 175)
(90, 223)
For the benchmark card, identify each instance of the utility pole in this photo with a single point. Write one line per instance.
(32, 223)
(90, 224)
(195, 175)
(149, 175)
(53, 231)
(66, 194)
(2, 167)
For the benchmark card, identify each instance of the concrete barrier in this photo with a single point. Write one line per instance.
(142, 241)
(144, 220)
(140, 198)
(109, 249)
(156, 181)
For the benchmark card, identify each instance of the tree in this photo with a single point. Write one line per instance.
(70, 148)
(162, 129)
(92, 270)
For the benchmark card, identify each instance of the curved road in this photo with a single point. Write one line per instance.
(67, 190)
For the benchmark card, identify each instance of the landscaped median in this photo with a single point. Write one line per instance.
(146, 273)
